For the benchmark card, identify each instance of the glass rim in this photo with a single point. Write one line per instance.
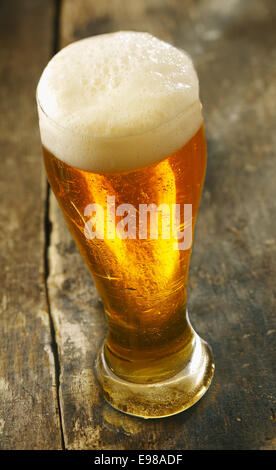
(109, 138)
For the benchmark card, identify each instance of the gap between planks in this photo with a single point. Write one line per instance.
(47, 241)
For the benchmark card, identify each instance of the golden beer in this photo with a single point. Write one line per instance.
(151, 352)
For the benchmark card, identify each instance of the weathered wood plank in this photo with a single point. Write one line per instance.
(232, 279)
(28, 397)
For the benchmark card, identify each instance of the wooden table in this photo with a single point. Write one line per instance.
(52, 320)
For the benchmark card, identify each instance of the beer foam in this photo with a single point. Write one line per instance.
(117, 102)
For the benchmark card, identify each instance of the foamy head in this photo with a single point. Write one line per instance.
(117, 102)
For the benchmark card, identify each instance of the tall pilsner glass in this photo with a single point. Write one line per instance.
(125, 154)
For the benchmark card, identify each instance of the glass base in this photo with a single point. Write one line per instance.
(160, 399)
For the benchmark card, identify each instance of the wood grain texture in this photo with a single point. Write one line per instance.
(28, 396)
(232, 278)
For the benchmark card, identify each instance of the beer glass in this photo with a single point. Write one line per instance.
(125, 154)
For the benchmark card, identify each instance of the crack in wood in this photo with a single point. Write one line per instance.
(54, 344)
